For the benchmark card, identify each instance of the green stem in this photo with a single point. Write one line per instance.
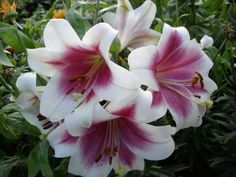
(220, 48)
(177, 12)
(4, 82)
(96, 12)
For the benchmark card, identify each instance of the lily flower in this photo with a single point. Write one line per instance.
(133, 25)
(79, 68)
(118, 139)
(176, 71)
(29, 101)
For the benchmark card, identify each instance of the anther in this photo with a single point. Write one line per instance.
(98, 158)
(69, 91)
(41, 117)
(196, 78)
(197, 96)
(110, 160)
(47, 125)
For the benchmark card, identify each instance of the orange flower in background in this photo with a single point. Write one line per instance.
(6, 7)
(60, 13)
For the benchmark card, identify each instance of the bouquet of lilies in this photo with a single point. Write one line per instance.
(98, 104)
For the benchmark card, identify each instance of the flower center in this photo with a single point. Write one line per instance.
(84, 81)
(110, 146)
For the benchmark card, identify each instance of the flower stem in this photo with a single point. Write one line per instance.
(96, 12)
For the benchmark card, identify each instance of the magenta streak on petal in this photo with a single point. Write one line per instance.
(126, 157)
(80, 68)
(91, 144)
(89, 96)
(177, 104)
(104, 76)
(173, 41)
(157, 98)
(133, 135)
(183, 57)
(68, 139)
(127, 112)
(104, 141)
(56, 63)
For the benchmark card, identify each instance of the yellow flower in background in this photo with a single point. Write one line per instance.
(6, 7)
(60, 13)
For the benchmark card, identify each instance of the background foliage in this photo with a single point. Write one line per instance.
(209, 150)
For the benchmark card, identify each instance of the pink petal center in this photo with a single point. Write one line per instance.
(111, 142)
(81, 69)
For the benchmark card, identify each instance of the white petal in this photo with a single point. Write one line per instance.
(145, 14)
(138, 19)
(77, 166)
(144, 38)
(60, 146)
(158, 108)
(137, 164)
(101, 36)
(122, 85)
(56, 105)
(26, 99)
(206, 41)
(38, 60)
(142, 103)
(110, 18)
(161, 144)
(30, 114)
(27, 82)
(179, 34)
(140, 63)
(58, 34)
(81, 118)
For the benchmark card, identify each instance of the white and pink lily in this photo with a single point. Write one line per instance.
(133, 25)
(176, 71)
(118, 139)
(29, 101)
(78, 68)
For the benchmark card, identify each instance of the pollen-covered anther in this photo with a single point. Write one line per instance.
(196, 78)
(47, 125)
(41, 117)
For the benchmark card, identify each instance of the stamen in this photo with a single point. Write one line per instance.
(41, 117)
(47, 125)
(110, 145)
(197, 96)
(196, 78)
(98, 158)
(110, 160)
(69, 91)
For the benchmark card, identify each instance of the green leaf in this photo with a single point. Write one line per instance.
(51, 10)
(3, 57)
(79, 24)
(5, 129)
(44, 163)
(33, 162)
(115, 46)
(67, 3)
(7, 164)
(15, 38)
(38, 161)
